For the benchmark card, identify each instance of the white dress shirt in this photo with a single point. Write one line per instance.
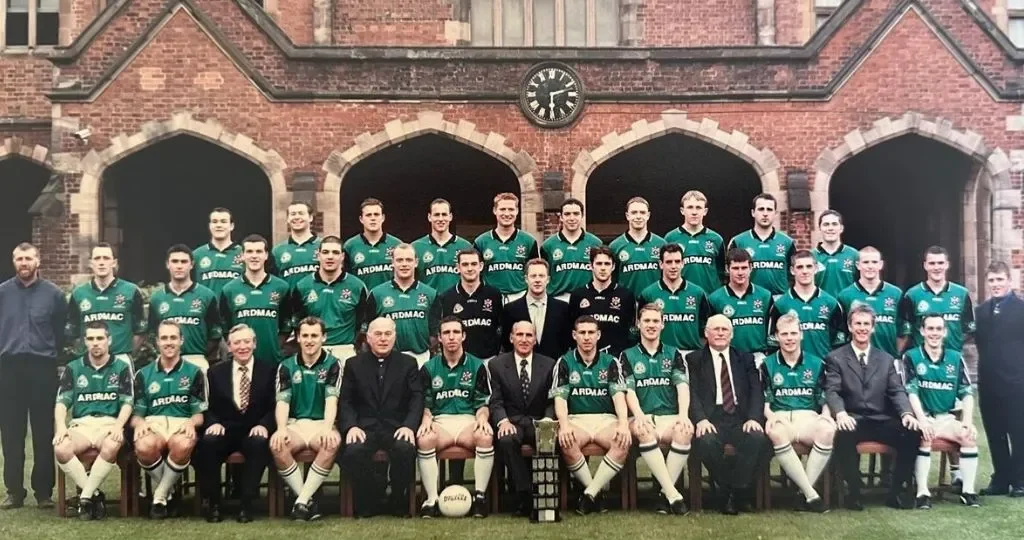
(236, 382)
(529, 365)
(857, 352)
(538, 308)
(717, 359)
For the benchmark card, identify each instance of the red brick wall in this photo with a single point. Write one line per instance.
(392, 22)
(78, 15)
(790, 20)
(23, 80)
(295, 17)
(687, 23)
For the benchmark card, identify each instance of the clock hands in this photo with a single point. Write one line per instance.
(551, 98)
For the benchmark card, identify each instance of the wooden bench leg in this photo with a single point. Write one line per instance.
(62, 498)
(693, 473)
(826, 485)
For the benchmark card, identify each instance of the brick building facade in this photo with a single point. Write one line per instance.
(904, 114)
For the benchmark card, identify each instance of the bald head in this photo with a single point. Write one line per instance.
(380, 334)
(523, 338)
(718, 332)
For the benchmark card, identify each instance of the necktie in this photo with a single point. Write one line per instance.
(243, 388)
(524, 378)
(728, 400)
(863, 360)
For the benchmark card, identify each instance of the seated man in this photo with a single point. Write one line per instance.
(590, 406)
(456, 389)
(794, 386)
(308, 385)
(170, 398)
(936, 378)
(658, 394)
(97, 391)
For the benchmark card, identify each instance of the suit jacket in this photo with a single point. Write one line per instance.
(222, 408)
(398, 402)
(746, 385)
(507, 399)
(557, 331)
(877, 394)
(1000, 342)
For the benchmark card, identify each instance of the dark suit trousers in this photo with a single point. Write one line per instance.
(26, 396)
(510, 447)
(1004, 428)
(368, 481)
(752, 449)
(890, 432)
(214, 449)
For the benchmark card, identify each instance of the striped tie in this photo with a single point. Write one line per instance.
(243, 388)
(728, 400)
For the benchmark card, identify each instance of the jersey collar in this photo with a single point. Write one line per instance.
(682, 230)
(664, 286)
(771, 235)
(177, 365)
(318, 279)
(928, 357)
(415, 283)
(821, 248)
(319, 360)
(861, 288)
(924, 285)
(266, 279)
(629, 238)
(312, 239)
(782, 361)
(746, 293)
(433, 241)
(459, 364)
(383, 239)
(88, 364)
(230, 247)
(113, 283)
(579, 359)
(583, 234)
(817, 293)
(513, 236)
(168, 290)
(462, 291)
(657, 352)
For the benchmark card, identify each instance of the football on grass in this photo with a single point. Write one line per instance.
(455, 501)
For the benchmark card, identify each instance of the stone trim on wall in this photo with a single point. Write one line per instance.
(14, 147)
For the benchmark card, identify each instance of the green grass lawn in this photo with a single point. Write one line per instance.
(999, 518)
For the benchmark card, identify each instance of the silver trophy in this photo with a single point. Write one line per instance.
(545, 473)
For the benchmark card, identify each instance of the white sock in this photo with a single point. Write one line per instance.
(170, 477)
(100, 470)
(605, 472)
(921, 468)
(581, 471)
(76, 471)
(314, 478)
(656, 463)
(791, 465)
(155, 471)
(676, 461)
(969, 466)
(955, 473)
(426, 460)
(292, 478)
(816, 462)
(482, 468)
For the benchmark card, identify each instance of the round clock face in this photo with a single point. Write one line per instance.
(551, 95)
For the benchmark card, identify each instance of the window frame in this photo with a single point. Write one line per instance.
(822, 12)
(497, 25)
(1013, 14)
(33, 24)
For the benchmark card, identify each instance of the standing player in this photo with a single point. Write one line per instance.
(410, 303)
(590, 406)
(770, 249)
(506, 248)
(836, 261)
(191, 305)
(794, 395)
(478, 306)
(937, 295)
(368, 255)
(170, 398)
(568, 252)
(97, 392)
(745, 305)
(295, 258)
(439, 249)
(109, 299)
(308, 386)
(884, 299)
(220, 260)
(610, 304)
(685, 305)
(936, 379)
(637, 249)
(258, 300)
(457, 389)
(822, 323)
(334, 296)
(703, 249)
(658, 394)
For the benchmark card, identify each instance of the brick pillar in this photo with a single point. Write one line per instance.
(323, 18)
(766, 22)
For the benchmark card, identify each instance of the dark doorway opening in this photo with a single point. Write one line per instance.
(22, 183)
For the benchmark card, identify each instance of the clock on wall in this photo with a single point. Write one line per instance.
(551, 95)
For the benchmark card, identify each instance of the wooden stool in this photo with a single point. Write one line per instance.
(871, 448)
(129, 489)
(803, 450)
(348, 499)
(626, 477)
(945, 448)
(694, 465)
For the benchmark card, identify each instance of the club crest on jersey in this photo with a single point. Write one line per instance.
(890, 303)
(183, 383)
(466, 377)
(520, 251)
(82, 382)
(709, 246)
(922, 369)
(389, 302)
(758, 304)
(780, 249)
(586, 252)
(457, 308)
(584, 304)
(488, 305)
(922, 306)
(823, 310)
(950, 369)
(616, 303)
(954, 302)
(728, 311)
(655, 252)
(389, 251)
(623, 255)
(574, 378)
(691, 301)
(297, 377)
(359, 258)
(847, 264)
(84, 305)
(808, 375)
(285, 257)
(346, 294)
(421, 300)
(488, 254)
(164, 308)
(275, 296)
(312, 297)
(205, 262)
(557, 255)
(112, 379)
(777, 379)
(240, 300)
(436, 383)
(602, 375)
(639, 368)
(238, 259)
(666, 364)
(120, 300)
(154, 387)
(197, 305)
(321, 375)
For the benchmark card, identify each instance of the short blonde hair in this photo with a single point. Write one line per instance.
(640, 200)
(695, 195)
(506, 196)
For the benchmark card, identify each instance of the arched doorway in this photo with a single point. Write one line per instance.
(22, 181)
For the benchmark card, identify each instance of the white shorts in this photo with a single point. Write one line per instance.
(197, 360)
(92, 428)
(165, 426)
(663, 424)
(306, 429)
(512, 297)
(804, 423)
(421, 358)
(946, 426)
(454, 424)
(591, 424)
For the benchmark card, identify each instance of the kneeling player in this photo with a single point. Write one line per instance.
(590, 406)
(170, 397)
(936, 378)
(97, 391)
(794, 382)
(308, 385)
(457, 390)
(659, 396)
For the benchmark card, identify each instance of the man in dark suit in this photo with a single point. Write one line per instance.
(1001, 381)
(520, 381)
(727, 407)
(240, 418)
(550, 316)
(864, 390)
(381, 408)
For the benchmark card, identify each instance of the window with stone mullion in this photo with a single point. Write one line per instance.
(1015, 22)
(544, 23)
(29, 23)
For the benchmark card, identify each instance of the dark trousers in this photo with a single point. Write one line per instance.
(214, 449)
(1004, 428)
(752, 450)
(510, 447)
(890, 432)
(369, 482)
(27, 386)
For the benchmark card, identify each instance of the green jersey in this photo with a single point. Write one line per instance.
(369, 262)
(455, 390)
(588, 388)
(416, 312)
(885, 301)
(214, 268)
(638, 265)
(821, 321)
(264, 307)
(937, 383)
(569, 261)
(120, 306)
(835, 271)
(179, 393)
(654, 377)
(306, 388)
(438, 263)
(292, 261)
(684, 310)
(797, 388)
(748, 313)
(703, 256)
(505, 260)
(340, 304)
(89, 391)
(770, 266)
(954, 304)
(196, 310)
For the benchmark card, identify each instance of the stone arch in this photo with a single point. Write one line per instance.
(339, 163)
(16, 147)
